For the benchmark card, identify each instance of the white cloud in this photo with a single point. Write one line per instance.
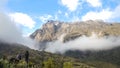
(94, 3)
(23, 19)
(116, 12)
(70, 4)
(83, 43)
(44, 18)
(11, 34)
(102, 15)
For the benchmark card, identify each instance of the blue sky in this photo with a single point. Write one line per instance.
(29, 15)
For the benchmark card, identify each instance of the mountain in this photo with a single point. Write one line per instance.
(65, 31)
(69, 31)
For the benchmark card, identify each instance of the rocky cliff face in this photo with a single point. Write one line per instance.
(65, 31)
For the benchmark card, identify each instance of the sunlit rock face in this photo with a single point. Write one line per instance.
(66, 31)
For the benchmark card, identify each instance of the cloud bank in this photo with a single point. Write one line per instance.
(11, 34)
(84, 43)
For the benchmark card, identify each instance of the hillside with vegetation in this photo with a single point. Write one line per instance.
(37, 59)
(103, 57)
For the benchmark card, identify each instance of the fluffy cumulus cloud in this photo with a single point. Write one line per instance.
(70, 4)
(94, 3)
(23, 19)
(102, 15)
(73, 4)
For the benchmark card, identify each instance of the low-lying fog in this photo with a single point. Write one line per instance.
(10, 33)
(83, 43)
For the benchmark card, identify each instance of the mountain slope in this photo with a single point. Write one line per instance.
(110, 56)
(53, 30)
(38, 57)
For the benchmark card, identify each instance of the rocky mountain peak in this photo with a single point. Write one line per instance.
(53, 30)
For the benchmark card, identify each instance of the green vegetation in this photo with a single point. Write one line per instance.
(100, 64)
(99, 59)
(22, 64)
(46, 64)
(49, 63)
(67, 65)
(41, 59)
(37, 59)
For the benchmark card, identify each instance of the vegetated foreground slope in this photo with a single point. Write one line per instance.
(109, 56)
(39, 59)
